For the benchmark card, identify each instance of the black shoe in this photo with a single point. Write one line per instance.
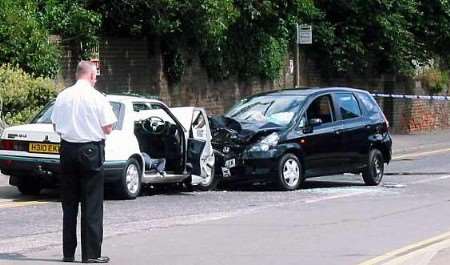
(97, 260)
(68, 259)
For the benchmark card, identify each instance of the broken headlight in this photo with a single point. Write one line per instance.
(266, 143)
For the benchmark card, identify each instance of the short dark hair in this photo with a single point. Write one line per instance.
(83, 68)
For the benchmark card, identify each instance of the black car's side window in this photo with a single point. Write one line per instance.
(348, 105)
(321, 108)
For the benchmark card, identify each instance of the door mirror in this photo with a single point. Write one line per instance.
(315, 122)
(309, 128)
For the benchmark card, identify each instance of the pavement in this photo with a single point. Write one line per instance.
(419, 142)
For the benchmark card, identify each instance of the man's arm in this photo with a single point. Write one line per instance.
(107, 129)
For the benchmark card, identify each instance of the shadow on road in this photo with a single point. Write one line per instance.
(416, 173)
(308, 184)
(12, 194)
(21, 257)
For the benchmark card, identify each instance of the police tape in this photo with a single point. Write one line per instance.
(411, 96)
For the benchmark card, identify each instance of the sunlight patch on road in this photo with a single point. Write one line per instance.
(15, 204)
(412, 155)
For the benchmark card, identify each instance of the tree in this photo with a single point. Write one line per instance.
(71, 20)
(376, 34)
(24, 41)
(232, 37)
(433, 29)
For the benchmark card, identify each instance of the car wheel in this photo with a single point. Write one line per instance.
(208, 183)
(130, 185)
(29, 186)
(290, 173)
(373, 173)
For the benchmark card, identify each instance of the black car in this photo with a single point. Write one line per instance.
(288, 135)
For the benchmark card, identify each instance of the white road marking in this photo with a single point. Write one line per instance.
(412, 155)
(418, 253)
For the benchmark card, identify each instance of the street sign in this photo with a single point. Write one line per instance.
(304, 34)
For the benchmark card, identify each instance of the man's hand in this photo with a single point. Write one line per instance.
(107, 129)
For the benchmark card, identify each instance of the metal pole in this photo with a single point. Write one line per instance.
(297, 65)
(297, 58)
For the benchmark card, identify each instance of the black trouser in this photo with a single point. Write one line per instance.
(82, 182)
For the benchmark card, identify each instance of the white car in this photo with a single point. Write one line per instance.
(29, 153)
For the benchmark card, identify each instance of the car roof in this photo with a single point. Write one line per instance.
(123, 98)
(307, 91)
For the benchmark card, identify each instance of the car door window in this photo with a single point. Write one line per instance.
(117, 109)
(321, 108)
(348, 106)
(139, 106)
(199, 125)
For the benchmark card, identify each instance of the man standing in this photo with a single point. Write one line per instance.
(82, 117)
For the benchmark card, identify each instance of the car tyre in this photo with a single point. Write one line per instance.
(373, 173)
(290, 172)
(210, 183)
(29, 186)
(129, 186)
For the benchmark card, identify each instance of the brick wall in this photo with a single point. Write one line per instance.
(418, 115)
(135, 65)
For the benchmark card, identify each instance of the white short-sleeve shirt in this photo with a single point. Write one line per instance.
(80, 112)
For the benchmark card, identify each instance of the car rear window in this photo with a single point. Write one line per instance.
(45, 115)
(348, 105)
(369, 103)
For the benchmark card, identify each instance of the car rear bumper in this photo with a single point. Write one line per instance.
(48, 169)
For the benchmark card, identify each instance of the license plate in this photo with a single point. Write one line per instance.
(44, 148)
(226, 172)
(230, 163)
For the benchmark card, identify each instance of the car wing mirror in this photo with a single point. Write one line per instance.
(309, 128)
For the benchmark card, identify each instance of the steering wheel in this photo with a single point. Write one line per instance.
(154, 125)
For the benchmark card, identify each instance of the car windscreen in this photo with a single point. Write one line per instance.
(275, 109)
(44, 116)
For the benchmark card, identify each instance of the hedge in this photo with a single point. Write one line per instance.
(21, 95)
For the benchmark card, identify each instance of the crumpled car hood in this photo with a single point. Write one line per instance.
(242, 131)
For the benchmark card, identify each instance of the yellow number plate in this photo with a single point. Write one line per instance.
(44, 148)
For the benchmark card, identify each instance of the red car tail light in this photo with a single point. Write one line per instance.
(7, 145)
(7, 163)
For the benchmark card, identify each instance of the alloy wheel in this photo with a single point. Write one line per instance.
(291, 172)
(132, 178)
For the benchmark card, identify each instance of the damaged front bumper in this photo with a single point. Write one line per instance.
(247, 166)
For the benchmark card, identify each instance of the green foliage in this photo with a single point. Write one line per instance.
(361, 33)
(72, 21)
(22, 95)
(244, 38)
(24, 41)
(434, 80)
(232, 37)
(433, 29)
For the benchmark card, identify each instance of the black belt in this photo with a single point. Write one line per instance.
(102, 142)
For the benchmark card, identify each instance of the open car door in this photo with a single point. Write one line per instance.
(200, 153)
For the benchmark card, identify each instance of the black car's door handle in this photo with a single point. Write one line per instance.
(338, 132)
